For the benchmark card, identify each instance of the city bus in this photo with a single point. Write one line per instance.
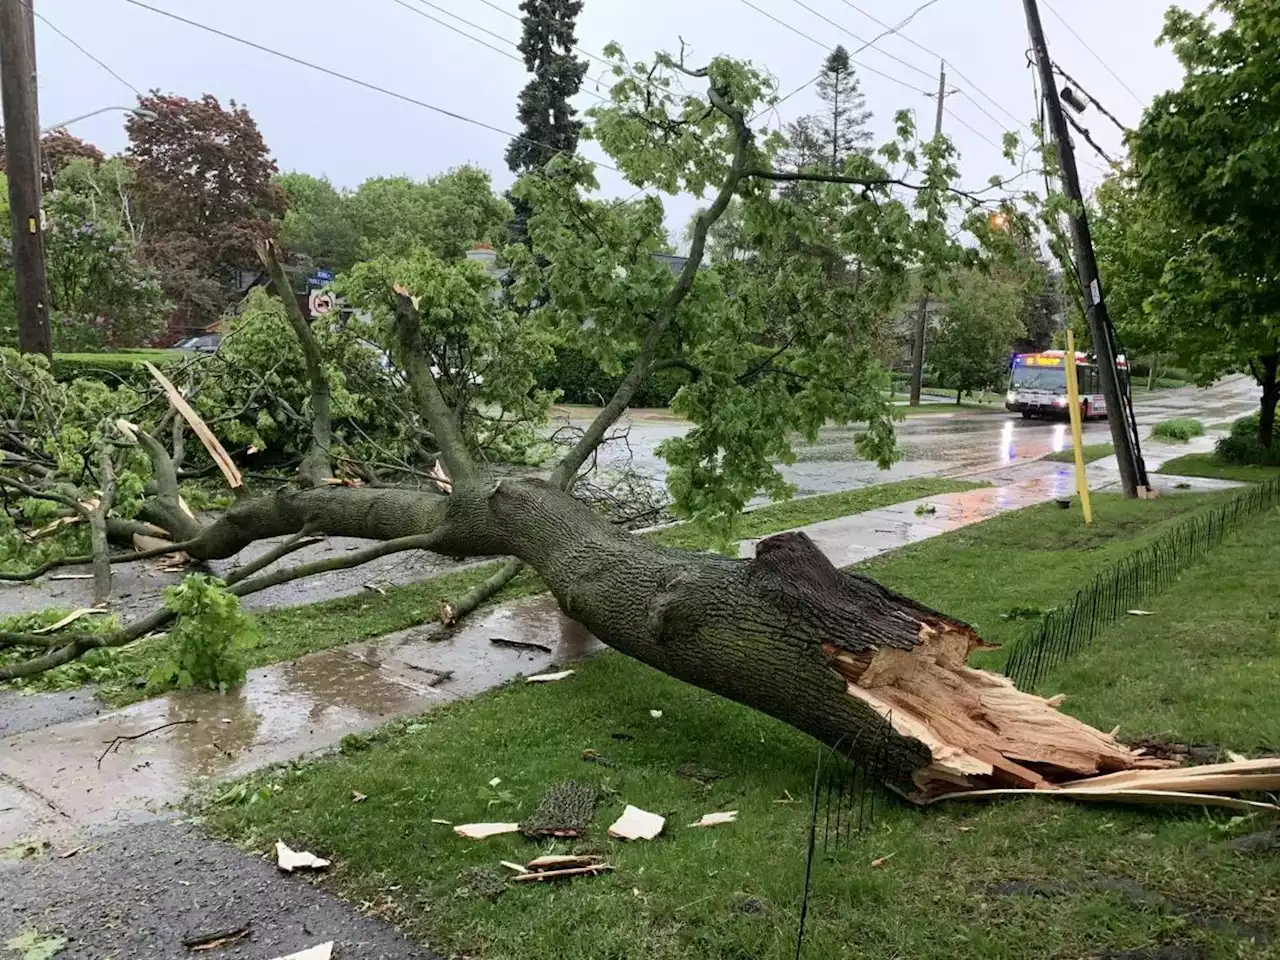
(1038, 384)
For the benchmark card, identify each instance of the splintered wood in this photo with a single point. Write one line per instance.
(983, 733)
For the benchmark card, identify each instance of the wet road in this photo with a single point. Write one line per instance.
(943, 442)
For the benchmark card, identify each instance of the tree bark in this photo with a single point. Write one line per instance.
(1270, 395)
(868, 671)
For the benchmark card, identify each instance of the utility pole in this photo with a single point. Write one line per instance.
(1132, 470)
(22, 159)
(922, 315)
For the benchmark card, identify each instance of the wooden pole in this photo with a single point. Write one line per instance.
(1077, 439)
(22, 163)
(922, 313)
(1132, 470)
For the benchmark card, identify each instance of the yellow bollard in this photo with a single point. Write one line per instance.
(1073, 405)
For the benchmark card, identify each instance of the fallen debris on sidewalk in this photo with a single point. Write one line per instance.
(323, 951)
(289, 860)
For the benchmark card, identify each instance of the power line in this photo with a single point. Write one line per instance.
(50, 25)
(1084, 43)
(889, 31)
(970, 127)
(518, 19)
(349, 79)
(461, 32)
(897, 30)
(798, 32)
(865, 43)
(1090, 97)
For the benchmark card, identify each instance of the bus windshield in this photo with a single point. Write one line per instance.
(1049, 379)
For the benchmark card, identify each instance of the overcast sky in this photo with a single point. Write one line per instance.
(325, 126)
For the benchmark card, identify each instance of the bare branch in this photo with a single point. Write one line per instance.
(98, 529)
(565, 471)
(426, 391)
(315, 465)
(452, 612)
(296, 542)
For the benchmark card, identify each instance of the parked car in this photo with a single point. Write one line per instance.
(205, 343)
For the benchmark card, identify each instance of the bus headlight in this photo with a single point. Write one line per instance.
(1010, 397)
(1059, 401)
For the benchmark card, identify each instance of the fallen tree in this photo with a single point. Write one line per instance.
(771, 348)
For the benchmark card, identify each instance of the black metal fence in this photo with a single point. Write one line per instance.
(1121, 586)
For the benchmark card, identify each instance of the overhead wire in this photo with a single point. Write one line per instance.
(347, 78)
(1085, 43)
(1090, 97)
(798, 32)
(483, 43)
(48, 23)
(460, 31)
(865, 43)
(896, 30)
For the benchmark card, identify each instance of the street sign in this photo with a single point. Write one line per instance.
(320, 302)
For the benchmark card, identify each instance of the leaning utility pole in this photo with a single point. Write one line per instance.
(22, 158)
(922, 316)
(1132, 471)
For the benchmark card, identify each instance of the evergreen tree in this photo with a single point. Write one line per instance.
(827, 139)
(550, 122)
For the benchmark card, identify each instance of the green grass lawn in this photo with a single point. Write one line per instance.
(1092, 452)
(294, 631)
(1210, 465)
(1016, 879)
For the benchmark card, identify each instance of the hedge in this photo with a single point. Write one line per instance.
(580, 380)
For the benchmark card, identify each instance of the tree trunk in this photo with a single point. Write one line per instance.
(1270, 394)
(865, 670)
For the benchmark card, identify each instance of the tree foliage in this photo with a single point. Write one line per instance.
(980, 323)
(391, 217)
(548, 121)
(826, 140)
(204, 187)
(57, 149)
(100, 294)
(1204, 158)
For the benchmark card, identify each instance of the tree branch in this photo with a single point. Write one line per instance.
(426, 391)
(316, 465)
(565, 471)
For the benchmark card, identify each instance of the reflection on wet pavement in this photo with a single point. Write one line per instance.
(282, 711)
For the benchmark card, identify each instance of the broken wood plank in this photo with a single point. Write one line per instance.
(552, 862)
(69, 619)
(549, 677)
(482, 831)
(199, 427)
(591, 871)
(636, 824)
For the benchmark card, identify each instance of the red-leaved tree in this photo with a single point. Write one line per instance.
(205, 192)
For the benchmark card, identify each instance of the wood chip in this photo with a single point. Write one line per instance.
(514, 866)
(881, 861)
(549, 677)
(482, 831)
(215, 941)
(201, 429)
(69, 619)
(636, 824)
(591, 871)
(323, 951)
(290, 860)
(72, 576)
(54, 526)
(1141, 613)
(358, 797)
(561, 862)
(716, 819)
(142, 542)
(447, 823)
